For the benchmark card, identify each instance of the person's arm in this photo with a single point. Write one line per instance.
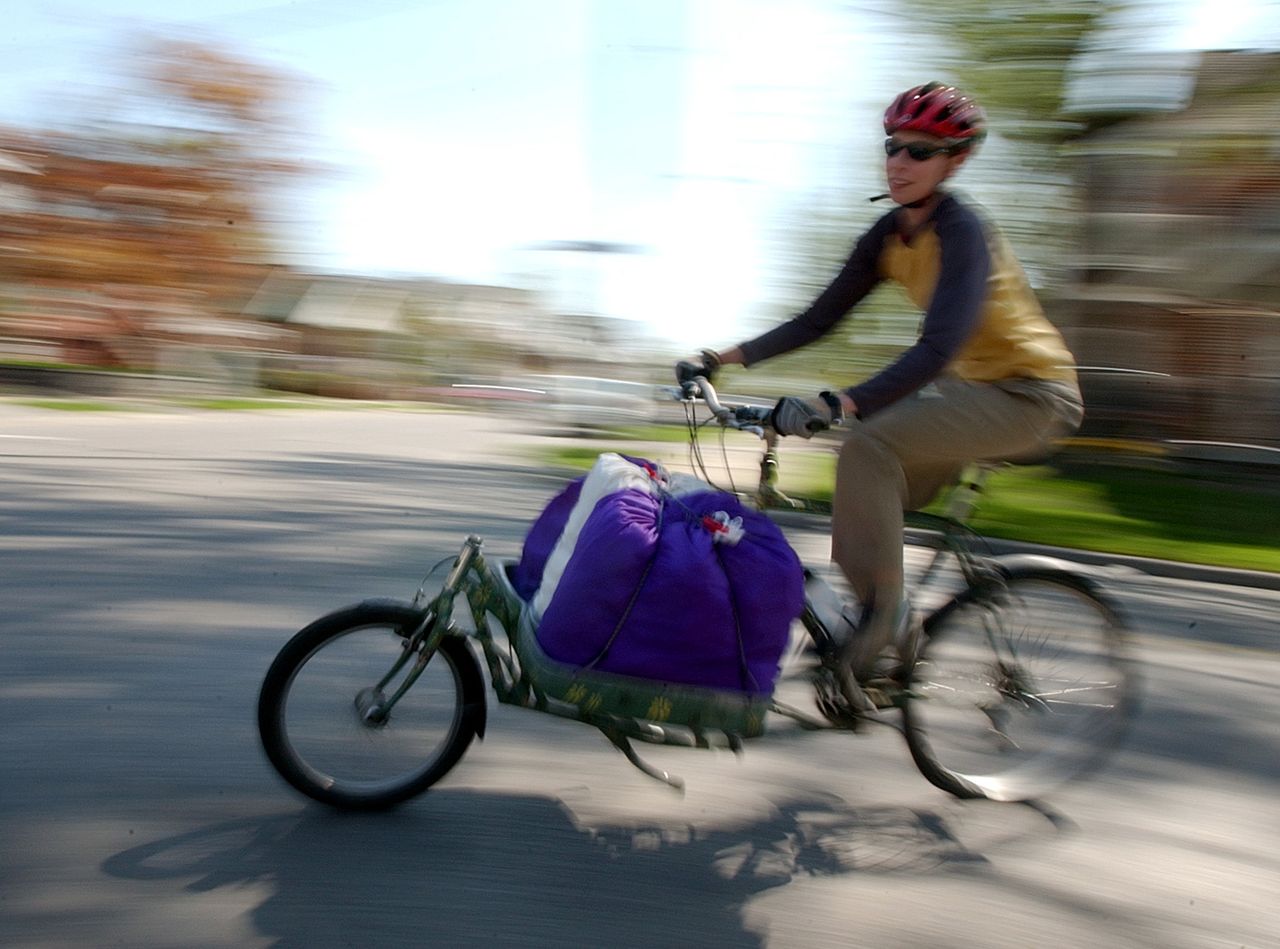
(731, 357)
(856, 279)
(951, 318)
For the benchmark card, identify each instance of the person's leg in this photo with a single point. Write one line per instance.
(866, 544)
(899, 459)
(959, 422)
(866, 516)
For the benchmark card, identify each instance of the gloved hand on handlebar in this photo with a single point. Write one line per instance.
(796, 416)
(706, 365)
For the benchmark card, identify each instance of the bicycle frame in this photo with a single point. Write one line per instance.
(622, 707)
(1004, 676)
(500, 631)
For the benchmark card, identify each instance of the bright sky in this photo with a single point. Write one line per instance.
(471, 130)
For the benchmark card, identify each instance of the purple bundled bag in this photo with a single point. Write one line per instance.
(526, 576)
(662, 579)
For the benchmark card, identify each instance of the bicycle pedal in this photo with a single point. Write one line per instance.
(879, 698)
(842, 716)
(838, 710)
(884, 692)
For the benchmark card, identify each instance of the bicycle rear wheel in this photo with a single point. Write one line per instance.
(1019, 687)
(321, 718)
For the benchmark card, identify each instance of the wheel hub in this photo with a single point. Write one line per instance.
(371, 707)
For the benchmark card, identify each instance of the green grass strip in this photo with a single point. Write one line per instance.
(1129, 511)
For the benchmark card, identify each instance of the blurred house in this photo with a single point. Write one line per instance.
(407, 338)
(1179, 266)
(112, 257)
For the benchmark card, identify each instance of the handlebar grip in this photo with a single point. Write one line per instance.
(687, 371)
(746, 418)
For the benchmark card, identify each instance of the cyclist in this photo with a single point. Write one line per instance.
(988, 378)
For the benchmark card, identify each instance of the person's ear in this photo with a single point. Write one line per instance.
(955, 160)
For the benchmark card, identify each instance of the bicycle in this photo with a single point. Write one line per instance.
(370, 705)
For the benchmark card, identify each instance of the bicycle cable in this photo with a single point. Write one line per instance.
(728, 469)
(697, 462)
(422, 587)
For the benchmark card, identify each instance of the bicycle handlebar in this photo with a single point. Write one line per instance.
(743, 418)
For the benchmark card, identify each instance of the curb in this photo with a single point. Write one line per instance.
(1170, 569)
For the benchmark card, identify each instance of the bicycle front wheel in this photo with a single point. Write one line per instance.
(1019, 687)
(330, 724)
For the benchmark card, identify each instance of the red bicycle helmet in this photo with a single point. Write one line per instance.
(937, 109)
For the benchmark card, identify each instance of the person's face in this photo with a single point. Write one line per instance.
(913, 179)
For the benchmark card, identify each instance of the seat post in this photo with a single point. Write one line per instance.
(967, 491)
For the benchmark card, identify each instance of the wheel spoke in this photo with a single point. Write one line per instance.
(1041, 672)
(335, 723)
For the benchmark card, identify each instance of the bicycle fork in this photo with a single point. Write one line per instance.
(372, 703)
(768, 493)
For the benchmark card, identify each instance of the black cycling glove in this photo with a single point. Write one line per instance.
(707, 365)
(795, 416)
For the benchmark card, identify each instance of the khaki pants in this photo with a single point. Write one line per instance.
(901, 457)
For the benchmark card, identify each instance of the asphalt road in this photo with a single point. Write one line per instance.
(152, 563)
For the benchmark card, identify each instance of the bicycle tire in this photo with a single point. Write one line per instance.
(1020, 686)
(311, 725)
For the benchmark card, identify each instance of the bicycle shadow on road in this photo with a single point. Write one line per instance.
(474, 868)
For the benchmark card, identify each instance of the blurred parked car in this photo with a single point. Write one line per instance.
(590, 403)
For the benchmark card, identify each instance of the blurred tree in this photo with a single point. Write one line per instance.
(161, 197)
(1015, 57)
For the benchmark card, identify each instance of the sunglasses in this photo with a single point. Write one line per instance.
(917, 151)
